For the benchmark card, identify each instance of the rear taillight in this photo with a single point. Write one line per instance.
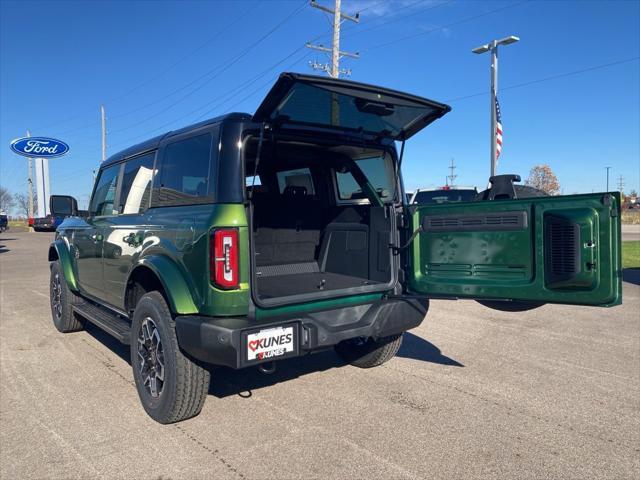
(223, 258)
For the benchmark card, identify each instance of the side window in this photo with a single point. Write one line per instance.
(185, 177)
(379, 172)
(135, 191)
(104, 195)
(296, 178)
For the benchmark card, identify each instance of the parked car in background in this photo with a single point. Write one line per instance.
(4, 222)
(447, 194)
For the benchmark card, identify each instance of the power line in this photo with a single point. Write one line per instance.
(457, 22)
(230, 94)
(398, 18)
(380, 3)
(270, 82)
(552, 77)
(216, 70)
(155, 77)
(182, 59)
(255, 79)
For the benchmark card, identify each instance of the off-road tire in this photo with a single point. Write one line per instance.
(62, 299)
(514, 306)
(370, 352)
(185, 385)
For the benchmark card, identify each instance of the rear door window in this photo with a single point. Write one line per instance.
(135, 192)
(299, 179)
(104, 196)
(185, 175)
(379, 172)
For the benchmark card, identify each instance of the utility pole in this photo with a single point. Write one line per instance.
(103, 119)
(608, 168)
(621, 184)
(333, 69)
(451, 177)
(493, 48)
(30, 186)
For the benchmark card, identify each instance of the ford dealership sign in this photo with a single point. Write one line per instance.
(41, 147)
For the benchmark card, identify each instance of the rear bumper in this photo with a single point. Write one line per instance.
(44, 226)
(218, 340)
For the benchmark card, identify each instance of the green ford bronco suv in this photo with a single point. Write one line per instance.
(247, 239)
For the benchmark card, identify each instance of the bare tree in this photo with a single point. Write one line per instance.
(22, 204)
(21, 201)
(542, 177)
(6, 200)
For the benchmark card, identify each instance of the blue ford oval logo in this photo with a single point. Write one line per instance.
(39, 147)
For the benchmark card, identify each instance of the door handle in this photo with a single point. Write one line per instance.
(96, 237)
(132, 239)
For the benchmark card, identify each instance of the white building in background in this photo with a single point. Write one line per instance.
(42, 186)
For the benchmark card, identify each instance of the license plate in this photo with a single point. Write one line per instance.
(271, 343)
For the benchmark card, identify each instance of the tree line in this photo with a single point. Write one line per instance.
(18, 202)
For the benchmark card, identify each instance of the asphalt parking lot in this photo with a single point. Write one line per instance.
(474, 393)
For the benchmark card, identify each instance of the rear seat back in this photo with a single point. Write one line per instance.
(286, 227)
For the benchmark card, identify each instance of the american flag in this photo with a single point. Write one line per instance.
(498, 130)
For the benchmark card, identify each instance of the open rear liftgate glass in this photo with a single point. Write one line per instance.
(298, 101)
(552, 249)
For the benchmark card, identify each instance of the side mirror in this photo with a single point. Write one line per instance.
(63, 205)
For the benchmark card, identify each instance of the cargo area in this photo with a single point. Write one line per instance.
(314, 231)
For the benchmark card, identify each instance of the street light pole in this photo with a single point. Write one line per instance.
(494, 93)
(608, 168)
(492, 47)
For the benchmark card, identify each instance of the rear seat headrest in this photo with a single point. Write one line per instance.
(294, 191)
(258, 189)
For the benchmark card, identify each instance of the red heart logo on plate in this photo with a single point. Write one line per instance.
(253, 344)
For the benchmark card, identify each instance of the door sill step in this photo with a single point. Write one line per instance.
(111, 323)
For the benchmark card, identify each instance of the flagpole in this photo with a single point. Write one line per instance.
(492, 47)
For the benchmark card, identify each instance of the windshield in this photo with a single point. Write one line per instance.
(445, 196)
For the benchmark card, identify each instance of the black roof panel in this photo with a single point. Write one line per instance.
(153, 143)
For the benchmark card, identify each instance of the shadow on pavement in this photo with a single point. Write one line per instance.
(227, 381)
(631, 275)
(417, 348)
(3, 248)
(108, 341)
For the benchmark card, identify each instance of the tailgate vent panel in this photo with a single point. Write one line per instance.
(561, 250)
(492, 222)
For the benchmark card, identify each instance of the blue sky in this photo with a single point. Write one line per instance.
(157, 66)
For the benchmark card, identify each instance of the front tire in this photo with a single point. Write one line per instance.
(369, 352)
(62, 300)
(171, 386)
